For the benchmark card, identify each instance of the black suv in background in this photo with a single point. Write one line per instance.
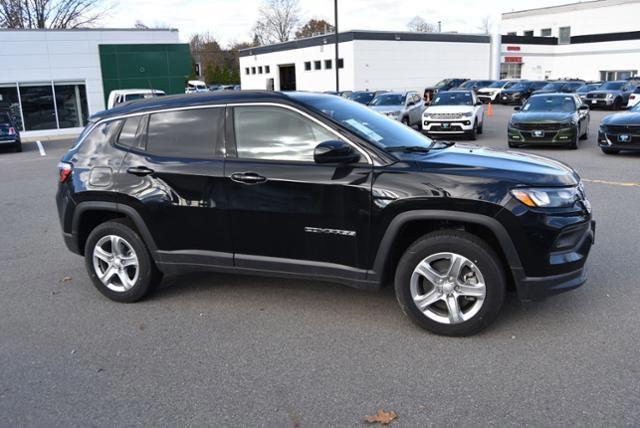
(304, 185)
(9, 133)
(520, 92)
(612, 95)
(443, 85)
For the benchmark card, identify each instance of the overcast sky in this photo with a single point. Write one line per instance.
(231, 20)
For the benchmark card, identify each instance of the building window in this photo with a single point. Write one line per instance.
(317, 65)
(545, 32)
(9, 100)
(307, 65)
(617, 75)
(260, 70)
(510, 70)
(528, 33)
(253, 70)
(38, 109)
(328, 64)
(565, 35)
(246, 70)
(71, 105)
(340, 63)
(267, 69)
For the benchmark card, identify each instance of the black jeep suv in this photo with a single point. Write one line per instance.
(306, 185)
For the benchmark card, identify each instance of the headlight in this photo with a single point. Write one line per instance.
(468, 114)
(609, 96)
(393, 113)
(514, 125)
(561, 197)
(426, 115)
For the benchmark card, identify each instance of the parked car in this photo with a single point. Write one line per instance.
(613, 95)
(406, 107)
(620, 131)
(195, 86)
(634, 98)
(492, 92)
(346, 94)
(475, 85)
(364, 97)
(554, 119)
(454, 112)
(520, 92)
(348, 196)
(9, 132)
(583, 90)
(443, 85)
(120, 96)
(563, 86)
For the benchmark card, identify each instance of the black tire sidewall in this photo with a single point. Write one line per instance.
(469, 246)
(146, 267)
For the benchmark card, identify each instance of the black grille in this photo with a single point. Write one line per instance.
(539, 126)
(443, 129)
(598, 96)
(631, 129)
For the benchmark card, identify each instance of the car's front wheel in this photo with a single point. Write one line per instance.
(18, 147)
(450, 283)
(610, 151)
(473, 134)
(119, 263)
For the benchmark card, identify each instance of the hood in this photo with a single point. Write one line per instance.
(448, 109)
(488, 90)
(513, 91)
(607, 91)
(386, 109)
(482, 163)
(543, 91)
(626, 118)
(541, 117)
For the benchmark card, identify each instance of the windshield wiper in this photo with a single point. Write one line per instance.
(421, 149)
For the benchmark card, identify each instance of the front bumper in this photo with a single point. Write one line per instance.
(514, 98)
(485, 98)
(599, 102)
(12, 140)
(437, 126)
(618, 140)
(542, 136)
(536, 288)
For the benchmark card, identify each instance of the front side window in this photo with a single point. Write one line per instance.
(185, 133)
(274, 133)
(388, 100)
(565, 35)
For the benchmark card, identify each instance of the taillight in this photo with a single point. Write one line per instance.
(633, 97)
(12, 131)
(65, 169)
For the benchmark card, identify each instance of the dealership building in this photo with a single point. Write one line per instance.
(52, 81)
(591, 40)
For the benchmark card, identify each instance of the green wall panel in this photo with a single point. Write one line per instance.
(157, 66)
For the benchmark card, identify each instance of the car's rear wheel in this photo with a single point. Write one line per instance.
(450, 283)
(119, 263)
(610, 151)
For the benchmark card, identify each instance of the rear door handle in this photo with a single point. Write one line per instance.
(248, 177)
(139, 170)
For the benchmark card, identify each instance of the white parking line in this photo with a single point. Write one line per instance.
(613, 183)
(41, 148)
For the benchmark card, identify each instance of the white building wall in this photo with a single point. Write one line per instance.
(414, 65)
(40, 56)
(306, 80)
(590, 17)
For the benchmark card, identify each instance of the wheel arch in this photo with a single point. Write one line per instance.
(88, 215)
(405, 228)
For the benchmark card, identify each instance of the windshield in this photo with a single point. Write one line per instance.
(367, 124)
(614, 86)
(468, 84)
(587, 88)
(520, 86)
(4, 119)
(362, 97)
(550, 104)
(453, 99)
(552, 86)
(441, 83)
(388, 100)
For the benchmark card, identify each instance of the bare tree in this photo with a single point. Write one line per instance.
(277, 21)
(51, 13)
(313, 27)
(485, 25)
(418, 24)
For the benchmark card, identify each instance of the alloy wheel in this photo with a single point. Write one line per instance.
(116, 263)
(448, 288)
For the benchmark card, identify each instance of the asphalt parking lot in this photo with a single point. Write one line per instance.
(213, 349)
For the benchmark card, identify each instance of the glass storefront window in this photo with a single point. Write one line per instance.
(71, 102)
(37, 107)
(9, 101)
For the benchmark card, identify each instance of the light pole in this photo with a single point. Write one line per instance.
(335, 19)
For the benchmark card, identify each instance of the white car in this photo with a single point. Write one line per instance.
(454, 112)
(634, 98)
(195, 86)
(120, 96)
(491, 92)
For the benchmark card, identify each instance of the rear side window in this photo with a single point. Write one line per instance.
(129, 133)
(100, 136)
(186, 133)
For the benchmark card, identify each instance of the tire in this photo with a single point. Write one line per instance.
(585, 136)
(513, 145)
(19, 148)
(481, 128)
(573, 145)
(610, 151)
(474, 253)
(617, 104)
(473, 133)
(405, 120)
(141, 278)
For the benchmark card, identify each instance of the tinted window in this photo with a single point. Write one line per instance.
(388, 100)
(101, 136)
(276, 133)
(550, 104)
(453, 99)
(612, 86)
(4, 118)
(129, 131)
(187, 133)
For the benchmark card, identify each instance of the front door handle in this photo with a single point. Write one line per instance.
(248, 177)
(139, 170)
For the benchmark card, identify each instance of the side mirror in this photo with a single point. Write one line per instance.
(517, 108)
(583, 107)
(335, 151)
(478, 103)
(410, 104)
